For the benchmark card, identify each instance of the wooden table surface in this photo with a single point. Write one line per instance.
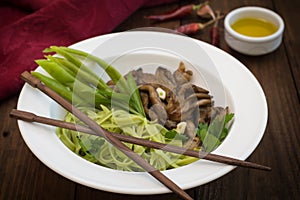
(23, 176)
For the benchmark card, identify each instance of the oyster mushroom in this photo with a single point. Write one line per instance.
(155, 110)
(181, 75)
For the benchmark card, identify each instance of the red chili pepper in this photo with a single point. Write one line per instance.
(180, 12)
(195, 27)
(206, 12)
(214, 32)
(189, 28)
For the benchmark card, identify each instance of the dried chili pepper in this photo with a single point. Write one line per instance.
(214, 32)
(195, 27)
(206, 12)
(180, 12)
(177, 13)
(189, 28)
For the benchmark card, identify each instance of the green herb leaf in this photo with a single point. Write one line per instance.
(173, 134)
(135, 99)
(213, 135)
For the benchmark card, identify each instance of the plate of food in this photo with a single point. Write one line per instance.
(157, 86)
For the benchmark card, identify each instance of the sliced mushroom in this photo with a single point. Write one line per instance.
(218, 111)
(190, 129)
(198, 89)
(144, 78)
(184, 90)
(156, 110)
(175, 115)
(145, 101)
(165, 78)
(193, 141)
(170, 124)
(181, 75)
(199, 96)
(193, 105)
(204, 114)
(153, 96)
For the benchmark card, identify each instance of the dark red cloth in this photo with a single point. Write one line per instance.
(29, 26)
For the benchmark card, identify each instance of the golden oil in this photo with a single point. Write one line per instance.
(254, 27)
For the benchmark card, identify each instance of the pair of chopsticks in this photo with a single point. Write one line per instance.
(115, 139)
(31, 117)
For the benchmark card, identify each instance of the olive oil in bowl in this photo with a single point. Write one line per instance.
(254, 27)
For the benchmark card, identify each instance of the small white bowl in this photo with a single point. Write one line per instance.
(253, 45)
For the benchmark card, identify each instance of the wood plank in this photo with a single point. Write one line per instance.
(137, 20)
(289, 10)
(90, 193)
(22, 175)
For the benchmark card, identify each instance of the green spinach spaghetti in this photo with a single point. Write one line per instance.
(97, 150)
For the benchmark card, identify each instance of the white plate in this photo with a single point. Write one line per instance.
(241, 92)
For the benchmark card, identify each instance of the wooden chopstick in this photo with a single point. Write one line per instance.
(31, 117)
(36, 83)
